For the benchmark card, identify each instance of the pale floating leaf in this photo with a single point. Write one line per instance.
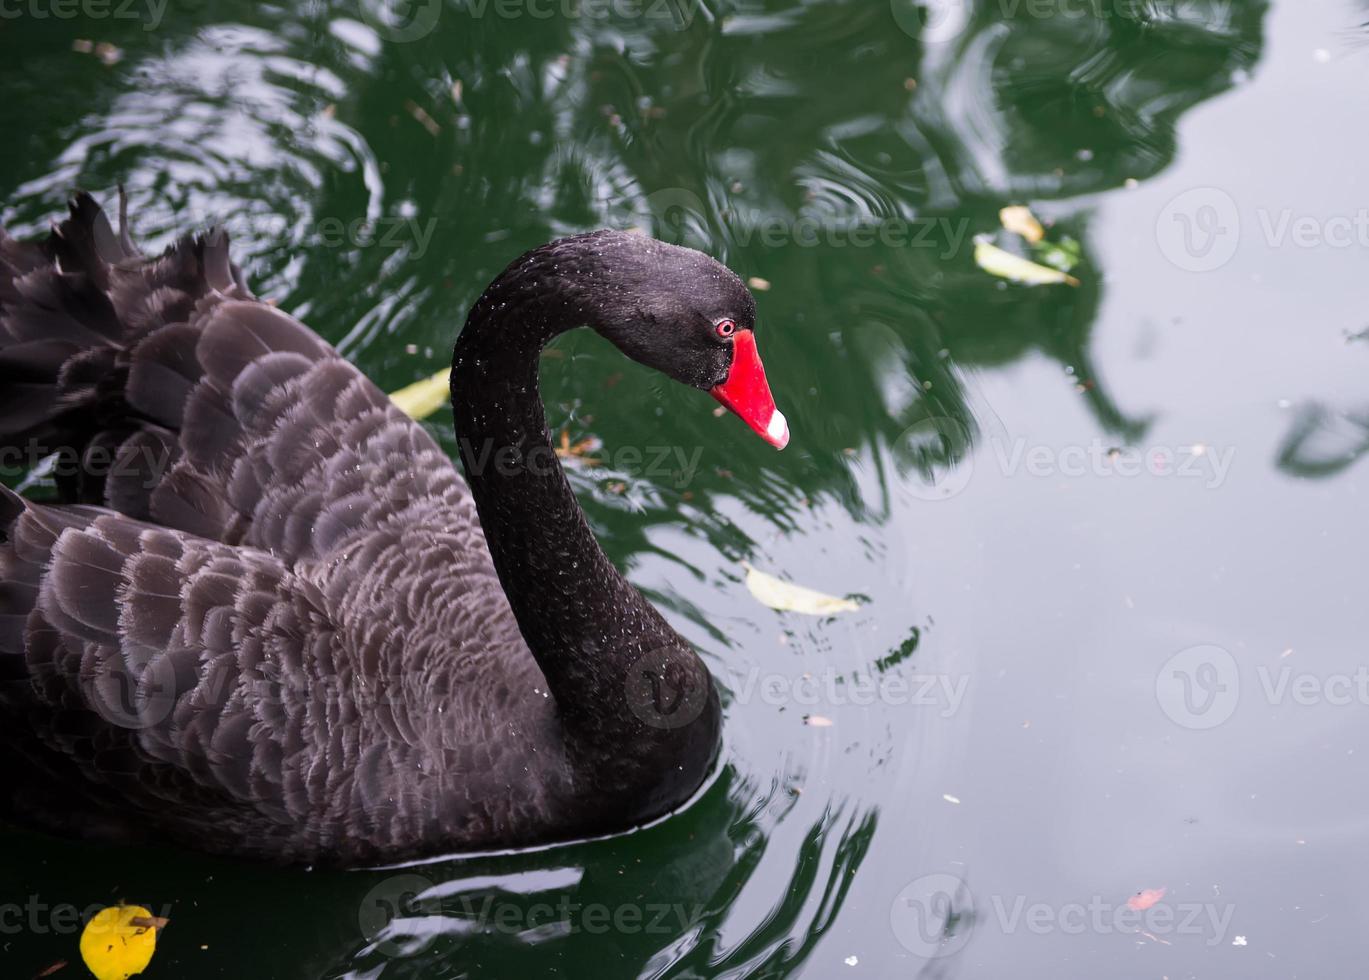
(118, 943)
(817, 721)
(1005, 265)
(1019, 220)
(786, 597)
(422, 398)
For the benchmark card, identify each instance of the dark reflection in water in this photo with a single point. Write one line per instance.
(657, 904)
(374, 187)
(1324, 442)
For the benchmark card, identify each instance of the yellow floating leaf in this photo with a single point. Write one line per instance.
(118, 943)
(1019, 220)
(786, 597)
(422, 398)
(1005, 265)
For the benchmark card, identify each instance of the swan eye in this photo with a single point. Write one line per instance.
(726, 328)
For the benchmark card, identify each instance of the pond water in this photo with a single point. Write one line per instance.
(1111, 638)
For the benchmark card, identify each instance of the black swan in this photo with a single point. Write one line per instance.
(269, 619)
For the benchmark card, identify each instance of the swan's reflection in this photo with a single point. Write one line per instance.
(695, 898)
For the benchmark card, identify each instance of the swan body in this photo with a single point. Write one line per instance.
(269, 618)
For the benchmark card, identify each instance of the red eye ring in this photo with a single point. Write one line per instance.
(726, 328)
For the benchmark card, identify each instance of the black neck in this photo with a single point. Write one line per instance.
(588, 628)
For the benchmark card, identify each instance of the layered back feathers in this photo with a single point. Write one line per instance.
(263, 620)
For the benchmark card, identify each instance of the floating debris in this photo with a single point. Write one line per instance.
(422, 118)
(787, 597)
(422, 398)
(1005, 265)
(1019, 220)
(579, 450)
(1145, 898)
(118, 943)
(109, 54)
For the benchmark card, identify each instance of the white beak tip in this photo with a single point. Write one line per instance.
(778, 430)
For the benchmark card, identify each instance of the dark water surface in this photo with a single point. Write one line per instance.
(1110, 537)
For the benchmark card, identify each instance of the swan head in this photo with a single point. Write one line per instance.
(683, 313)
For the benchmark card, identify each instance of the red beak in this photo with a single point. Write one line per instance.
(747, 393)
